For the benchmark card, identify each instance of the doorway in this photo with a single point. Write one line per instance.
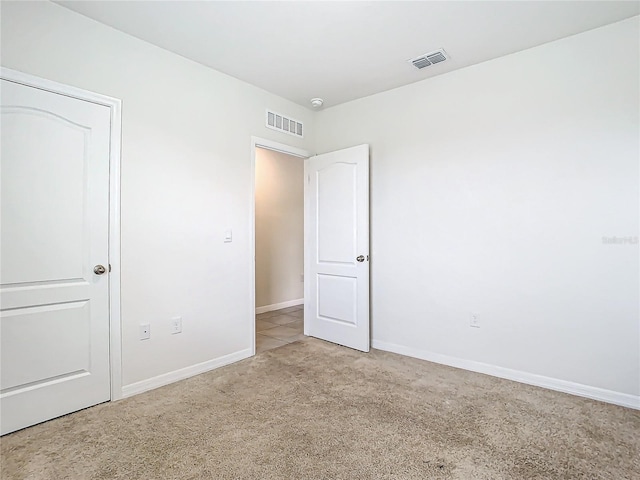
(279, 248)
(335, 246)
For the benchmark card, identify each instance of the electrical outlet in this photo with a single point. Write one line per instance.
(474, 320)
(145, 331)
(176, 325)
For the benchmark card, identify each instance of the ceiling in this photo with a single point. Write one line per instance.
(341, 51)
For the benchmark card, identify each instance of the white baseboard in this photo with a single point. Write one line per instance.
(594, 393)
(167, 378)
(278, 306)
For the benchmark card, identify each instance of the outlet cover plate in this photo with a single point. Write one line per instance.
(145, 331)
(176, 325)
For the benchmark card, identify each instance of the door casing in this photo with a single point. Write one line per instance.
(115, 108)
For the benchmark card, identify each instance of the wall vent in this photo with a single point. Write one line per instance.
(283, 123)
(429, 59)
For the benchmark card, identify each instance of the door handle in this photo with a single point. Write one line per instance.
(360, 258)
(99, 269)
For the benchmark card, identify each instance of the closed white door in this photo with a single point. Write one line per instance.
(337, 247)
(54, 335)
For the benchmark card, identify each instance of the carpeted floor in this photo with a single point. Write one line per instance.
(312, 410)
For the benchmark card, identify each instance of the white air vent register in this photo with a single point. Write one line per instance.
(284, 124)
(429, 59)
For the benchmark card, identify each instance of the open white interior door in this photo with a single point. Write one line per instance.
(337, 247)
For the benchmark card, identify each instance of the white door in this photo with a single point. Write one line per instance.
(337, 247)
(54, 335)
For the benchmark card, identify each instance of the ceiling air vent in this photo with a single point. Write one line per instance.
(429, 59)
(283, 123)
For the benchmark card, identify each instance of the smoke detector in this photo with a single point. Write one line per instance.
(316, 102)
(429, 59)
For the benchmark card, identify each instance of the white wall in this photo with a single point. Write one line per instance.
(279, 227)
(186, 178)
(491, 190)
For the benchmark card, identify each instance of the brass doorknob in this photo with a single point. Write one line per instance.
(99, 269)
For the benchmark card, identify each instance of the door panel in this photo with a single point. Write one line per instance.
(336, 234)
(54, 210)
(51, 353)
(337, 298)
(337, 211)
(54, 322)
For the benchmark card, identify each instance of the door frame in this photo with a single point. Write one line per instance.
(115, 142)
(257, 142)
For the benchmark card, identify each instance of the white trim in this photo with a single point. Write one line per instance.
(276, 147)
(581, 390)
(115, 107)
(278, 306)
(181, 374)
(55, 87)
(115, 325)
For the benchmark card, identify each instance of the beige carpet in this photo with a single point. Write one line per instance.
(312, 410)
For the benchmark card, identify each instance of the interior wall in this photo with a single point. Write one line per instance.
(186, 179)
(495, 190)
(279, 228)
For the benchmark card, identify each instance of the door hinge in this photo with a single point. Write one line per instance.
(308, 178)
